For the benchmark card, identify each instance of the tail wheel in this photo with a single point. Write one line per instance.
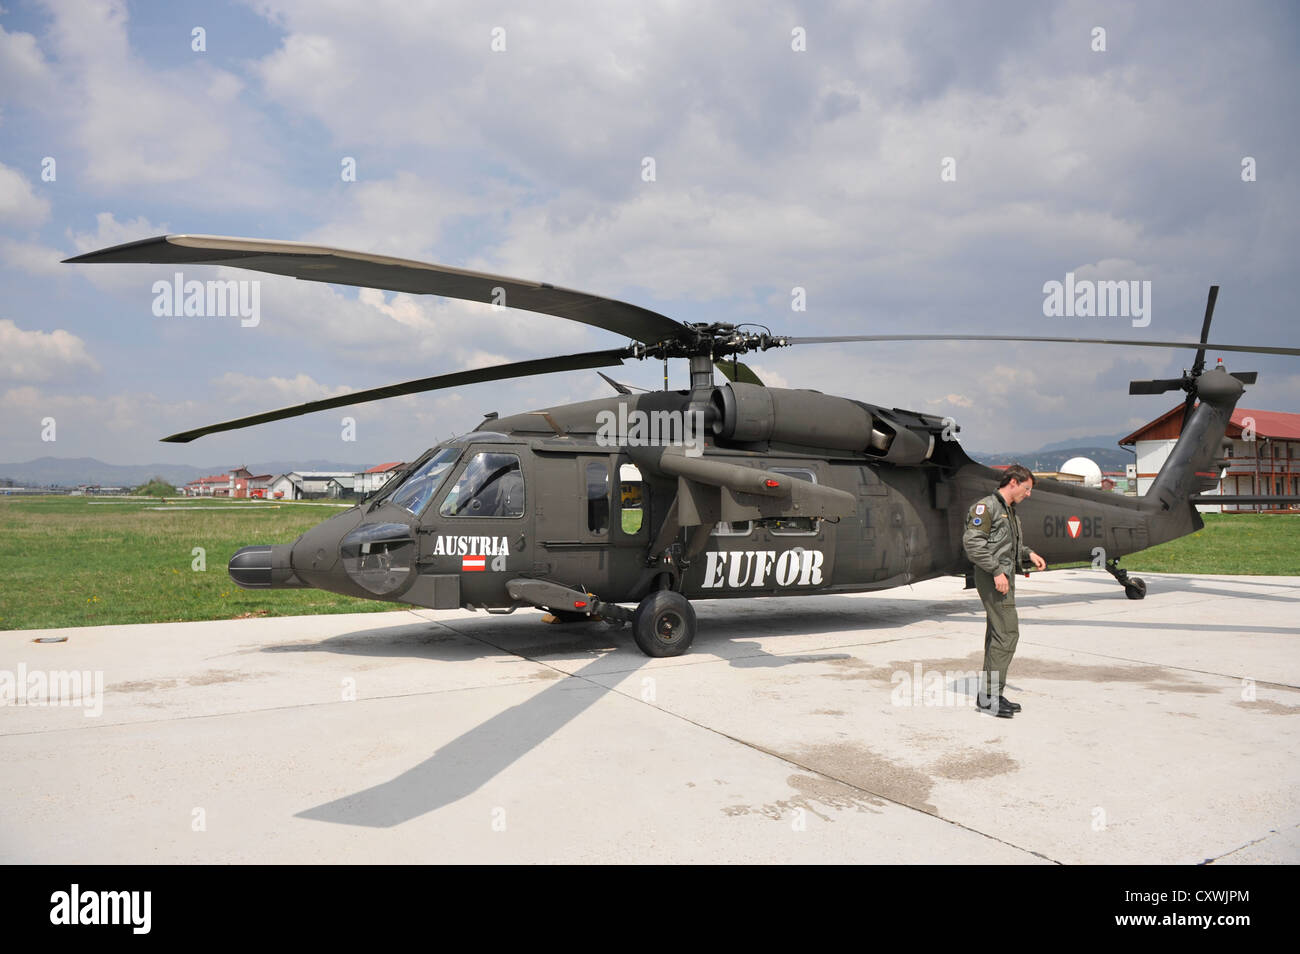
(1135, 588)
(664, 624)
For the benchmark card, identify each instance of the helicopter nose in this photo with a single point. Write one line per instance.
(251, 568)
(316, 552)
(263, 568)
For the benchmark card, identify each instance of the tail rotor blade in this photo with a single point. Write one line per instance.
(1199, 364)
(1158, 386)
(1187, 409)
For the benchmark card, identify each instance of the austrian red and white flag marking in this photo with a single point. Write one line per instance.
(1073, 524)
(473, 563)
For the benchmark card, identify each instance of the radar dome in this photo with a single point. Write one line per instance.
(1083, 467)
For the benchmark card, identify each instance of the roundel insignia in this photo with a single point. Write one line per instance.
(977, 521)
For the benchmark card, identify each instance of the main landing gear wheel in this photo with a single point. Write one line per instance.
(664, 624)
(1135, 588)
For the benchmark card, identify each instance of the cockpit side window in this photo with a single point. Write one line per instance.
(492, 485)
(418, 488)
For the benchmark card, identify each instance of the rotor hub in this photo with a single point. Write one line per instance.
(712, 340)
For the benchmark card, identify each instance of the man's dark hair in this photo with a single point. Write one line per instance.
(1017, 473)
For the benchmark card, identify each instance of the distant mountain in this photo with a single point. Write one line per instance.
(1097, 440)
(1102, 449)
(71, 471)
(1107, 458)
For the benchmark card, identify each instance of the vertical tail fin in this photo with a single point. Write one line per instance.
(1191, 466)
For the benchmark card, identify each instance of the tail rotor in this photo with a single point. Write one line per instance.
(1190, 381)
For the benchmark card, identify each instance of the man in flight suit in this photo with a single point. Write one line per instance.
(994, 542)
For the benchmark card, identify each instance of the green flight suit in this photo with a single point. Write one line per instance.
(994, 542)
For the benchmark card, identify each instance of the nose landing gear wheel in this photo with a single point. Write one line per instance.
(664, 624)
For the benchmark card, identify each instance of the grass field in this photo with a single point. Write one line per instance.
(1236, 544)
(1244, 544)
(81, 561)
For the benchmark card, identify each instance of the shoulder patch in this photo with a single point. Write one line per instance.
(977, 521)
(979, 509)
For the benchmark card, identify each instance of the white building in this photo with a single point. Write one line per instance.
(1264, 457)
(371, 480)
(322, 483)
(282, 488)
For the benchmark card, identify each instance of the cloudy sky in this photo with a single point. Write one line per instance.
(793, 146)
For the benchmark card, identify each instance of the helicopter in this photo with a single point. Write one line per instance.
(723, 490)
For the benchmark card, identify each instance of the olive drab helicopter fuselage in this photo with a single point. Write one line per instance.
(719, 491)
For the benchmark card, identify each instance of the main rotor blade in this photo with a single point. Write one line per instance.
(319, 263)
(500, 372)
(1252, 349)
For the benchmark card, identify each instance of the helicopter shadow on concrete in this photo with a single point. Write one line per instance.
(1195, 586)
(465, 764)
(1162, 586)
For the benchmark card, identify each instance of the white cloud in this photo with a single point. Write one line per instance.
(135, 124)
(22, 67)
(109, 232)
(775, 169)
(401, 215)
(19, 205)
(952, 400)
(133, 282)
(40, 355)
(115, 427)
(32, 257)
(265, 392)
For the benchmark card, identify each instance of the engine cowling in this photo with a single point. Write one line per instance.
(752, 414)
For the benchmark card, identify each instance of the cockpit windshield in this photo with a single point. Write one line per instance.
(423, 481)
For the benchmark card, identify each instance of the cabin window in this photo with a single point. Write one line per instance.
(794, 526)
(631, 494)
(597, 473)
(492, 485)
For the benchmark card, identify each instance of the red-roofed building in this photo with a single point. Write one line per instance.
(371, 480)
(1264, 457)
(215, 486)
(240, 482)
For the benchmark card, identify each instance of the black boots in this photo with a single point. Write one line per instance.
(1003, 710)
